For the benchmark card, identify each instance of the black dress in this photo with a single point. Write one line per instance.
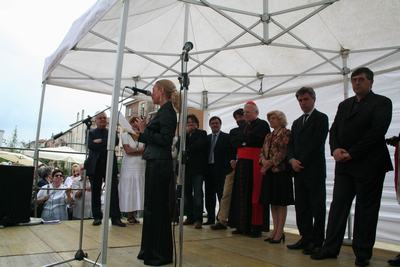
(277, 188)
(277, 185)
(156, 247)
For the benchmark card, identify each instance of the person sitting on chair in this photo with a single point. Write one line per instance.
(55, 201)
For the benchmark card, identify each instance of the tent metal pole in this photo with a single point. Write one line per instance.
(232, 10)
(36, 154)
(305, 44)
(265, 19)
(84, 49)
(345, 71)
(374, 49)
(260, 43)
(237, 23)
(294, 25)
(182, 133)
(224, 75)
(143, 78)
(162, 74)
(226, 45)
(132, 51)
(227, 48)
(303, 7)
(345, 55)
(234, 91)
(294, 77)
(303, 48)
(204, 100)
(113, 127)
(379, 58)
(82, 73)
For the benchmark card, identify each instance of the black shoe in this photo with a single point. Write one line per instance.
(208, 223)
(268, 239)
(301, 244)
(278, 241)
(322, 255)
(395, 261)
(361, 262)
(311, 249)
(118, 223)
(218, 226)
(96, 222)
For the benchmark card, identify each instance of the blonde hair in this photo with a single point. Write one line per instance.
(75, 166)
(170, 92)
(280, 115)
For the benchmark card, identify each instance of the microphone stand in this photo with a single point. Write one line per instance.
(184, 81)
(80, 255)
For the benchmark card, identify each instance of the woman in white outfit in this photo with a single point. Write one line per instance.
(131, 181)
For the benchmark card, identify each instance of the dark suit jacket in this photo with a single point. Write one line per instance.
(361, 131)
(159, 134)
(254, 133)
(221, 152)
(196, 148)
(235, 139)
(98, 151)
(307, 144)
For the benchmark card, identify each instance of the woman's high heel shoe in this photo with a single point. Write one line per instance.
(268, 239)
(282, 239)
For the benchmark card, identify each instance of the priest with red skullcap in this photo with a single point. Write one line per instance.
(247, 214)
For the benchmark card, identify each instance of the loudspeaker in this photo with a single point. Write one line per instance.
(16, 194)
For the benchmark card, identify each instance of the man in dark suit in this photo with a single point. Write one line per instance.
(95, 166)
(357, 141)
(196, 166)
(218, 166)
(306, 154)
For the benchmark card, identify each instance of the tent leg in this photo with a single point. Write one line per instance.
(182, 131)
(36, 153)
(112, 128)
(345, 71)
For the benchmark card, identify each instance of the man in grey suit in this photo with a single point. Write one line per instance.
(357, 141)
(306, 154)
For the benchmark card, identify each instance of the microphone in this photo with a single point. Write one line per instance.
(137, 90)
(187, 47)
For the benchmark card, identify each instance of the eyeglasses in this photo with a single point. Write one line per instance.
(58, 175)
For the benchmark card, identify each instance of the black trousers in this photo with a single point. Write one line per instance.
(214, 188)
(156, 246)
(368, 193)
(310, 205)
(96, 182)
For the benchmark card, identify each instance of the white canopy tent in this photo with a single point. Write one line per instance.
(262, 50)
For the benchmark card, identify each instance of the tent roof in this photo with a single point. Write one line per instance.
(243, 54)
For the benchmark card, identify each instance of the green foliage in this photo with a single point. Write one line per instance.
(13, 143)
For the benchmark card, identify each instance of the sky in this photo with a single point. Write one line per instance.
(29, 32)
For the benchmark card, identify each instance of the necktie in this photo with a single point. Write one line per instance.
(305, 117)
(211, 155)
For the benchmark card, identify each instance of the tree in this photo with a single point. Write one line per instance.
(14, 139)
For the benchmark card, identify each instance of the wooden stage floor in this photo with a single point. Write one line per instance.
(45, 244)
